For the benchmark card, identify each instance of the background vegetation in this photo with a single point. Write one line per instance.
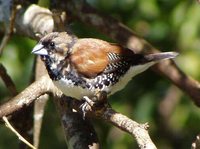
(168, 25)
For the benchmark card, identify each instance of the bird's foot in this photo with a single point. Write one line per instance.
(95, 103)
(87, 105)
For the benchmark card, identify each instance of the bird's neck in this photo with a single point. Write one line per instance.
(53, 68)
(62, 70)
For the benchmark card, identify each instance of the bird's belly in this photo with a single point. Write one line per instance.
(69, 89)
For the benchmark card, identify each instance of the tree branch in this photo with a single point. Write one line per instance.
(105, 112)
(139, 131)
(79, 132)
(26, 97)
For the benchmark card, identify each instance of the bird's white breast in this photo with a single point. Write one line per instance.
(67, 87)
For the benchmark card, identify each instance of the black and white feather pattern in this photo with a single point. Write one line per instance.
(116, 63)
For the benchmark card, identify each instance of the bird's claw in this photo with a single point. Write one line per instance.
(87, 105)
(95, 102)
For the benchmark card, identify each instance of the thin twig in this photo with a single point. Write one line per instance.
(7, 80)
(39, 104)
(9, 31)
(15, 132)
(58, 22)
(169, 103)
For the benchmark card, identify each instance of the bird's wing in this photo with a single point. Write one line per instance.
(91, 57)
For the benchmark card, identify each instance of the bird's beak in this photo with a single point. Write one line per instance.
(39, 49)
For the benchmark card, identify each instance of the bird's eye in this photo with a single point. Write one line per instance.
(52, 44)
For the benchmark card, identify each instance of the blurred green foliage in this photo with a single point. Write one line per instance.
(168, 25)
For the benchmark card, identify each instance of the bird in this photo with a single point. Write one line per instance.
(84, 67)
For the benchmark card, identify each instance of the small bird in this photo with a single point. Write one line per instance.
(83, 67)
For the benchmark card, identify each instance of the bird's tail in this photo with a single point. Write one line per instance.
(160, 56)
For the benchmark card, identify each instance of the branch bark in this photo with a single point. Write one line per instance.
(79, 132)
(106, 113)
(26, 97)
(39, 104)
(139, 131)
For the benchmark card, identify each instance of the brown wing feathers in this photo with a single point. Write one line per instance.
(89, 58)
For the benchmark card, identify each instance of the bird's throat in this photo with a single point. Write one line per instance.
(52, 68)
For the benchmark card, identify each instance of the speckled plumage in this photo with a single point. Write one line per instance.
(83, 67)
